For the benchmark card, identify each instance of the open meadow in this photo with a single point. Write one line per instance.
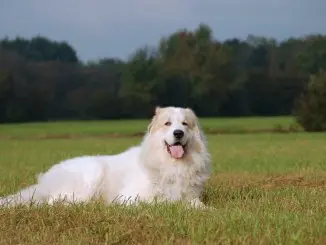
(268, 186)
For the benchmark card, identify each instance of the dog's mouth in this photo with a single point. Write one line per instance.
(176, 150)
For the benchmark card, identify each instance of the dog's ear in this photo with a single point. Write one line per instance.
(190, 112)
(150, 125)
(199, 136)
(157, 110)
(191, 116)
(194, 121)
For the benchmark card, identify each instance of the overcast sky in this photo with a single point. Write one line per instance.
(116, 28)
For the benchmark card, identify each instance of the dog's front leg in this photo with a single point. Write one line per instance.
(196, 203)
(130, 196)
(127, 200)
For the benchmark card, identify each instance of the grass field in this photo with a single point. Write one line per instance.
(267, 187)
(136, 127)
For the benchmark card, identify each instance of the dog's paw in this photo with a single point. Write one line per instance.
(196, 203)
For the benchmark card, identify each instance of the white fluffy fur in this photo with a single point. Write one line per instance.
(143, 173)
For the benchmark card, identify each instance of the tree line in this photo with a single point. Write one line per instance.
(42, 80)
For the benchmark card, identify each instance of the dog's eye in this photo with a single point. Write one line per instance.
(185, 124)
(167, 124)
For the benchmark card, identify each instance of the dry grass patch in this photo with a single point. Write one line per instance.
(309, 180)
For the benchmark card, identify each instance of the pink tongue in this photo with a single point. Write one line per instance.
(176, 151)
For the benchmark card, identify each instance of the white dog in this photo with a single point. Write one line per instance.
(171, 164)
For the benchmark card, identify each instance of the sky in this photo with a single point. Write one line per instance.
(116, 28)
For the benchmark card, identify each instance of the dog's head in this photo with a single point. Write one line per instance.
(176, 130)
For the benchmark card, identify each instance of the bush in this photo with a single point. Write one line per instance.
(310, 110)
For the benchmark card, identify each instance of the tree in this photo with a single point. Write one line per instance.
(311, 107)
(41, 49)
(312, 56)
(139, 78)
(196, 70)
(42, 79)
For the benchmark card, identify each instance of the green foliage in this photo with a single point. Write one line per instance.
(138, 82)
(42, 79)
(41, 49)
(312, 57)
(311, 107)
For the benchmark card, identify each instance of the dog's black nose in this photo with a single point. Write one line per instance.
(178, 133)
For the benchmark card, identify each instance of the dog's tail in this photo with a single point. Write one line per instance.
(24, 196)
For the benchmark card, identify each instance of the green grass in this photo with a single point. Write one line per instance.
(266, 189)
(127, 127)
